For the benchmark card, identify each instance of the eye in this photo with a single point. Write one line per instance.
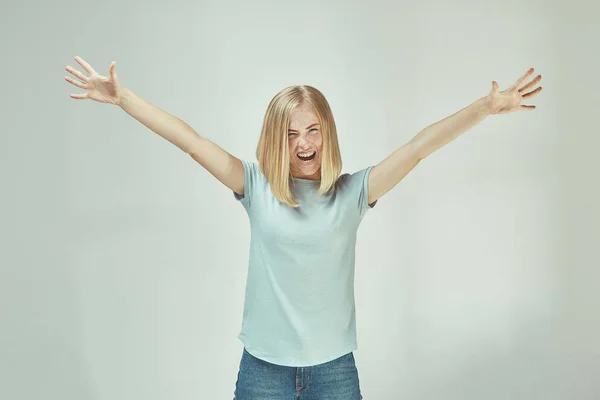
(291, 133)
(313, 129)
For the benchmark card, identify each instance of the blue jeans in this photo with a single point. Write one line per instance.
(333, 380)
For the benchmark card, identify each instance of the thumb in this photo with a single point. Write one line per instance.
(111, 70)
(495, 86)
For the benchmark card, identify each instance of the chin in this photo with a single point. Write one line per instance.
(308, 171)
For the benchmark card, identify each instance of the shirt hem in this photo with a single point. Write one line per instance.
(295, 361)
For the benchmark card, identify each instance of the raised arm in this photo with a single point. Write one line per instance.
(389, 172)
(222, 165)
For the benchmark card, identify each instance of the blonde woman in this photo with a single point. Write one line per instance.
(298, 327)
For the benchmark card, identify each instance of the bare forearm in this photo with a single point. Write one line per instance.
(443, 132)
(160, 122)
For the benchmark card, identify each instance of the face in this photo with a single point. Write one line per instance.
(305, 144)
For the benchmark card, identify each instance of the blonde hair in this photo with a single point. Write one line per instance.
(272, 150)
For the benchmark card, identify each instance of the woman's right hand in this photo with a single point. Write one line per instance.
(98, 87)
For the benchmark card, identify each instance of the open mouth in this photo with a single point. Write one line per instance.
(307, 156)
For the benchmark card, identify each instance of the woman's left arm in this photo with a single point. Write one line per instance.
(389, 172)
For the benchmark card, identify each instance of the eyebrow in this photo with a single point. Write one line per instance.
(293, 130)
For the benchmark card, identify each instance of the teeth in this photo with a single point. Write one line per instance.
(306, 154)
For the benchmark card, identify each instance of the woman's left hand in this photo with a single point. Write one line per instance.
(509, 100)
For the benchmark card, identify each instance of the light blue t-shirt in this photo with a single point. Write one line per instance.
(299, 301)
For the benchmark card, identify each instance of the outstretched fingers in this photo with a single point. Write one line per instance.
(88, 68)
(525, 107)
(78, 74)
(523, 78)
(531, 84)
(75, 82)
(79, 96)
(532, 93)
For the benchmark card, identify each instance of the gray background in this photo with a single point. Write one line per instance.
(123, 262)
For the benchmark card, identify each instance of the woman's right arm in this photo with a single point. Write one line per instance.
(221, 164)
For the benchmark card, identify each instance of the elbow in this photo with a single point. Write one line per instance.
(417, 151)
(193, 146)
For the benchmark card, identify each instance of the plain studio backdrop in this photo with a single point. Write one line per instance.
(124, 262)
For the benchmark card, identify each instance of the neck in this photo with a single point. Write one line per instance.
(314, 177)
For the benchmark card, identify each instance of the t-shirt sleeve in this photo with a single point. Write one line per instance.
(250, 178)
(360, 185)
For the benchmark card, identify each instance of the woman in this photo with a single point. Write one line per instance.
(298, 326)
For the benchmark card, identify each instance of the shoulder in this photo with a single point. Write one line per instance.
(353, 179)
(252, 170)
(254, 181)
(355, 186)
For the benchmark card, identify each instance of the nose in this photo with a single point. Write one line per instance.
(302, 141)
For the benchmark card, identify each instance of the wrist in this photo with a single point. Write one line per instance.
(483, 105)
(123, 97)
